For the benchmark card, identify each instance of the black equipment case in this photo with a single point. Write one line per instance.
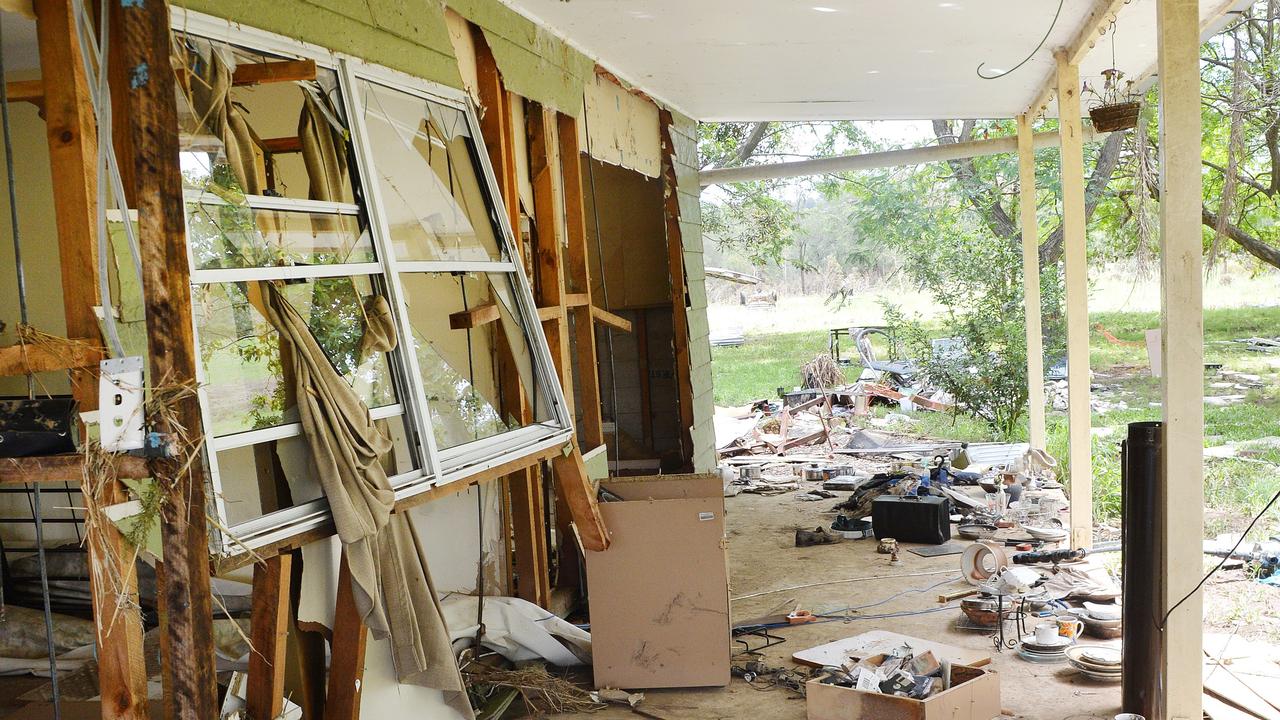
(909, 518)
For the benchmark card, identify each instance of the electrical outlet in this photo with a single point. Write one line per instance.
(120, 396)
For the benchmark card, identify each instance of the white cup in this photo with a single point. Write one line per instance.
(1047, 633)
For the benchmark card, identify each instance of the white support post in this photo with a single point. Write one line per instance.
(1031, 280)
(1079, 455)
(1182, 338)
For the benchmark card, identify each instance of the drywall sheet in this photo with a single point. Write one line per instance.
(659, 594)
(628, 209)
(622, 127)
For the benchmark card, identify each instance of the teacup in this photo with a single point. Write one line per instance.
(1069, 626)
(1046, 633)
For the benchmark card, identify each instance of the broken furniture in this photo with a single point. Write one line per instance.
(659, 595)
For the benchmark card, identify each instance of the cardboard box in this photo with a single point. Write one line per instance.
(659, 596)
(974, 695)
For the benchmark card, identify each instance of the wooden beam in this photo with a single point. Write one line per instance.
(528, 566)
(679, 301)
(346, 668)
(578, 278)
(579, 494)
(282, 145)
(477, 316)
(1076, 274)
(548, 266)
(1182, 340)
(1027, 203)
(31, 91)
(269, 631)
(65, 469)
(873, 160)
(604, 317)
(274, 72)
(1084, 39)
(74, 355)
(551, 314)
(190, 686)
(71, 133)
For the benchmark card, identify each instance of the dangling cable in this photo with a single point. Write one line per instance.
(37, 509)
(604, 287)
(1030, 55)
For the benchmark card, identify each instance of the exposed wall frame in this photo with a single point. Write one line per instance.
(438, 467)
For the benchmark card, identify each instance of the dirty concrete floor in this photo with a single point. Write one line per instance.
(762, 556)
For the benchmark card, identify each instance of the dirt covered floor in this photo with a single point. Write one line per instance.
(763, 558)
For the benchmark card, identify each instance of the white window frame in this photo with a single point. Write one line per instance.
(437, 467)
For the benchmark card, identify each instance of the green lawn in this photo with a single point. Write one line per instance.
(1234, 488)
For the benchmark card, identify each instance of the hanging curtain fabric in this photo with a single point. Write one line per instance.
(211, 102)
(390, 581)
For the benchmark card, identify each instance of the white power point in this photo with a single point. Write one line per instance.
(120, 396)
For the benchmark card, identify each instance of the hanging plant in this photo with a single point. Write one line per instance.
(1114, 109)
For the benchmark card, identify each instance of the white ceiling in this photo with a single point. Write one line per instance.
(845, 59)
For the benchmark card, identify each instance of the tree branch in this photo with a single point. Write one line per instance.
(1108, 159)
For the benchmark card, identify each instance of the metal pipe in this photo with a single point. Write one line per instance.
(1141, 494)
(883, 159)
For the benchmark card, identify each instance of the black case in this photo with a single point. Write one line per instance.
(909, 518)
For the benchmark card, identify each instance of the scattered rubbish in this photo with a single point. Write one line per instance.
(1260, 344)
(816, 536)
(813, 495)
(938, 550)
(874, 642)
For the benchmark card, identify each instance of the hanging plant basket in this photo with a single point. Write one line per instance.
(1113, 117)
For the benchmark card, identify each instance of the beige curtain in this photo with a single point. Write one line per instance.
(211, 102)
(390, 580)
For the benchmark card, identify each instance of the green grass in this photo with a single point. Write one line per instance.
(1235, 489)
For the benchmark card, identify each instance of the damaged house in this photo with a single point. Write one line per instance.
(325, 327)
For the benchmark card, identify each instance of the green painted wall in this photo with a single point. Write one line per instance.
(405, 35)
(534, 62)
(684, 135)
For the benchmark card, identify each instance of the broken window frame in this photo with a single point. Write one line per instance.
(436, 467)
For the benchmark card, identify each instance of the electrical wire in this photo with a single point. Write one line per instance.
(604, 286)
(1032, 54)
(1221, 562)
(841, 582)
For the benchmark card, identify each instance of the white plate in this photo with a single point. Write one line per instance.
(1058, 645)
(1100, 611)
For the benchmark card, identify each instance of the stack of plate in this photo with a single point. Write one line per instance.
(1096, 662)
(1101, 620)
(1052, 652)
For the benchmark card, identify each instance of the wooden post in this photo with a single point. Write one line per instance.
(1182, 340)
(190, 690)
(679, 304)
(346, 669)
(549, 288)
(1031, 280)
(73, 147)
(578, 277)
(529, 572)
(579, 495)
(269, 632)
(1079, 457)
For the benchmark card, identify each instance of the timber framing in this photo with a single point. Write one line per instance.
(679, 296)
